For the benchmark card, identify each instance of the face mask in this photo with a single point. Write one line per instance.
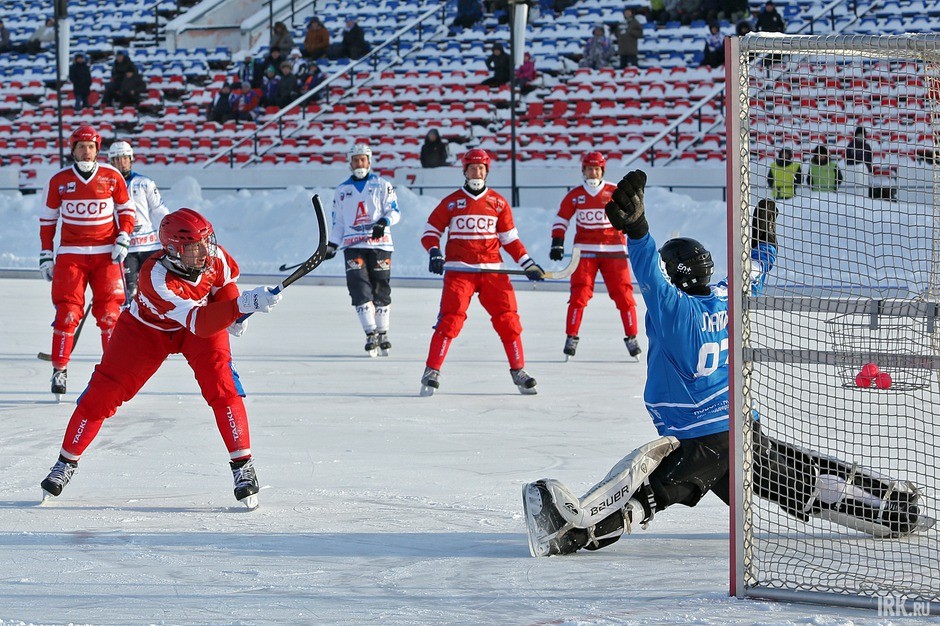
(360, 172)
(593, 182)
(85, 167)
(476, 184)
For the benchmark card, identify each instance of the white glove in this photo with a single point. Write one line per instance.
(258, 300)
(237, 329)
(46, 264)
(119, 249)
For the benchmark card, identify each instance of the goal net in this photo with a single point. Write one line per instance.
(838, 355)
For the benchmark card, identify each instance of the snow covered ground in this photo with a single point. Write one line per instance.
(377, 505)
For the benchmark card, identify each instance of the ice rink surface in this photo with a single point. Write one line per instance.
(377, 505)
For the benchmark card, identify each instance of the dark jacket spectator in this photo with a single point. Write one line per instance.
(316, 40)
(785, 175)
(354, 44)
(500, 64)
(311, 78)
(469, 12)
(220, 109)
(859, 150)
(281, 38)
(250, 71)
(597, 50)
(743, 27)
(122, 64)
(434, 150)
(288, 87)
(628, 39)
(5, 45)
(132, 90)
(269, 87)
(526, 73)
(80, 77)
(714, 53)
(274, 59)
(824, 174)
(769, 20)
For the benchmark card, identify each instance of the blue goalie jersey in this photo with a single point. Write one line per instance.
(687, 372)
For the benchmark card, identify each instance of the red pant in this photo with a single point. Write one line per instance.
(72, 274)
(133, 355)
(499, 300)
(616, 274)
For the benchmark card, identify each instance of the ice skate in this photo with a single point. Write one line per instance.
(58, 478)
(571, 346)
(372, 345)
(633, 347)
(246, 483)
(384, 344)
(59, 378)
(549, 533)
(430, 381)
(524, 382)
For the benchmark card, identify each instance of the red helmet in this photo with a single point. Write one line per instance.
(85, 133)
(477, 155)
(183, 227)
(593, 158)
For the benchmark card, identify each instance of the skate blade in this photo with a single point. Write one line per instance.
(250, 502)
(58, 397)
(528, 391)
(568, 357)
(532, 506)
(426, 391)
(383, 352)
(373, 353)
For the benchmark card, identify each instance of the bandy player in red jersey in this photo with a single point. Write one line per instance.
(479, 223)
(603, 248)
(97, 215)
(186, 299)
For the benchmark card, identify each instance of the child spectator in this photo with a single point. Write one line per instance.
(714, 53)
(597, 50)
(526, 73)
(269, 87)
(785, 175)
(312, 77)
(824, 173)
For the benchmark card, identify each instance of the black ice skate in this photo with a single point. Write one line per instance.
(58, 478)
(384, 344)
(372, 344)
(549, 532)
(524, 382)
(59, 378)
(633, 346)
(430, 381)
(246, 483)
(571, 346)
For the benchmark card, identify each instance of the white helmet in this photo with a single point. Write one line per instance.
(360, 149)
(119, 149)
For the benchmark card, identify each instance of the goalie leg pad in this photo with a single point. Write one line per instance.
(621, 482)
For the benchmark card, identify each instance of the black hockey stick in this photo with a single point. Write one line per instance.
(42, 356)
(310, 264)
(564, 272)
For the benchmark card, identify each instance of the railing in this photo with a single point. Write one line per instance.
(392, 44)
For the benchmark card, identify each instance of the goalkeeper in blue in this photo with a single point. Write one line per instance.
(687, 397)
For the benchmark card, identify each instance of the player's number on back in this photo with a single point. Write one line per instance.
(711, 356)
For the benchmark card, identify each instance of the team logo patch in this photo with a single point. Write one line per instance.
(451, 206)
(384, 265)
(462, 204)
(70, 187)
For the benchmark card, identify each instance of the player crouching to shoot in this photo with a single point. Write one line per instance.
(688, 400)
(186, 299)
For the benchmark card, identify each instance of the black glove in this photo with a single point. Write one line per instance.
(557, 253)
(532, 270)
(330, 251)
(436, 264)
(626, 210)
(378, 229)
(764, 223)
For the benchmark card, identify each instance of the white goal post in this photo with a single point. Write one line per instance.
(838, 355)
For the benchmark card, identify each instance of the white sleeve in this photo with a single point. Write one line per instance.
(155, 205)
(390, 207)
(336, 233)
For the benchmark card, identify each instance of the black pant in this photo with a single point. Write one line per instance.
(368, 272)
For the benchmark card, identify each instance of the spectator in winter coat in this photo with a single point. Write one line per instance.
(784, 175)
(312, 77)
(44, 34)
(122, 64)
(769, 20)
(434, 150)
(5, 45)
(250, 71)
(245, 103)
(281, 38)
(132, 89)
(269, 87)
(500, 64)
(220, 109)
(824, 173)
(526, 73)
(469, 12)
(714, 53)
(288, 87)
(859, 151)
(80, 77)
(274, 59)
(628, 39)
(316, 40)
(353, 45)
(598, 50)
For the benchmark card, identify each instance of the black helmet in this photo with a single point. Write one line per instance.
(688, 264)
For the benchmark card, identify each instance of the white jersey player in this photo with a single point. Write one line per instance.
(150, 211)
(364, 207)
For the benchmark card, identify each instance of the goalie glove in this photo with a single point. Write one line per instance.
(119, 249)
(626, 210)
(557, 253)
(532, 271)
(46, 264)
(378, 229)
(436, 262)
(258, 300)
(764, 223)
(237, 329)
